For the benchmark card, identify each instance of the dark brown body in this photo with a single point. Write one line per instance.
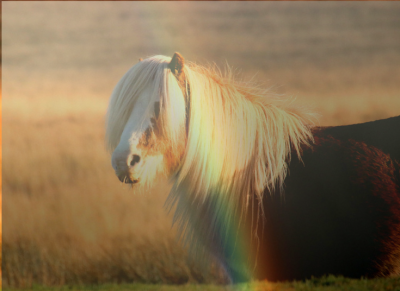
(340, 211)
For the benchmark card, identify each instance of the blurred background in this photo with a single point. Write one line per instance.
(67, 219)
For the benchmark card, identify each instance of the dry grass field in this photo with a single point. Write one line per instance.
(66, 218)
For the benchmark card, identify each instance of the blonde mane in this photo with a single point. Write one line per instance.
(239, 144)
(239, 141)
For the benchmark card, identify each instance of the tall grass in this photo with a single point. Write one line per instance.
(69, 220)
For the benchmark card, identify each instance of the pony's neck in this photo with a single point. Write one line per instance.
(238, 145)
(240, 139)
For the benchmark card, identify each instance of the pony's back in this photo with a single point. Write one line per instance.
(340, 213)
(383, 134)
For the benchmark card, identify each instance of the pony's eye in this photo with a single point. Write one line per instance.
(157, 109)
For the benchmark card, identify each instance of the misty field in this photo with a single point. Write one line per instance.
(66, 217)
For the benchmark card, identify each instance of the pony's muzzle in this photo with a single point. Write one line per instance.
(124, 175)
(124, 164)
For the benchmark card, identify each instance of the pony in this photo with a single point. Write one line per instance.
(256, 184)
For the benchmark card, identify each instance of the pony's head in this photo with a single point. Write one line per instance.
(206, 130)
(146, 126)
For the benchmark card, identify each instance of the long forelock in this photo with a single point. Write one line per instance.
(150, 73)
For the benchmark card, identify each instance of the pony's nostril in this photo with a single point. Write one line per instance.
(135, 159)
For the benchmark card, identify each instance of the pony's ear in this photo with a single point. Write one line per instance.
(176, 64)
